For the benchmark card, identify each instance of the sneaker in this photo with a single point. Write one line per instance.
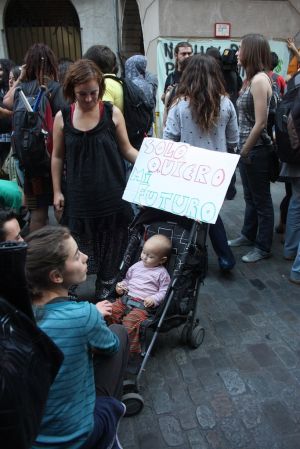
(240, 241)
(225, 265)
(294, 280)
(255, 255)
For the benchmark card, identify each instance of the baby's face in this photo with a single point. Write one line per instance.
(152, 255)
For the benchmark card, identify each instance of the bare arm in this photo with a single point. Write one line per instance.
(8, 99)
(5, 113)
(261, 91)
(128, 151)
(291, 45)
(57, 160)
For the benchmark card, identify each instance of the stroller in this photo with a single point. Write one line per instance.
(187, 267)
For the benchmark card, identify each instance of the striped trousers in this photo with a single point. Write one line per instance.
(131, 321)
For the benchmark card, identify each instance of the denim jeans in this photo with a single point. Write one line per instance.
(292, 230)
(219, 242)
(295, 272)
(259, 213)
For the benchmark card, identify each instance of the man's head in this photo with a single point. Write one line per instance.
(182, 51)
(103, 57)
(9, 227)
(274, 60)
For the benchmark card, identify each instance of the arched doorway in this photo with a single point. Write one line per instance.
(132, 34)
(53, 22)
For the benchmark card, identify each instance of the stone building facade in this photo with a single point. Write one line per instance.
(135, 26)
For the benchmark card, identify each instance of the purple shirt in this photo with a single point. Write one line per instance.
(143, 282)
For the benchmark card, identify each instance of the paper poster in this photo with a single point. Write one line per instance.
(181, 179)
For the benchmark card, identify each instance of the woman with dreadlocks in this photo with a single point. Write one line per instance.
(40, 68)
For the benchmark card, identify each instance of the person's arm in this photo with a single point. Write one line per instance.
(5, 113)
(128, 151)
(163, 284)
(57, 161)
(8, 99)
(172, 128)
(98, 334)
(261, 91)
(291, 45)
(232, 129)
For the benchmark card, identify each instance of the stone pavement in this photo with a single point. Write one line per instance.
(241, 388)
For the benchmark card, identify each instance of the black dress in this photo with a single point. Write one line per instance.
(93, 187)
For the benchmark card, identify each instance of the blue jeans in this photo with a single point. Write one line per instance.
(292, 230)
(259, 213)
(219, 242)
(295, 272)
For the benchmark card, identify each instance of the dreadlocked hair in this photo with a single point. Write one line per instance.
(202, 84)
(40, 61)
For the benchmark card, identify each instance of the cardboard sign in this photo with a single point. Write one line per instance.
(179, 178)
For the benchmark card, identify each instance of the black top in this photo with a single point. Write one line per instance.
(95, 175)
(172, 78)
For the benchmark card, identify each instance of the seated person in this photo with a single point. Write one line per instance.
(9, 227)
(144, 287)
(81, 410)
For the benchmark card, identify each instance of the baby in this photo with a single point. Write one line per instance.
(144, 286)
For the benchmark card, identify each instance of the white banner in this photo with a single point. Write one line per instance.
(179, 178)
(166, 61)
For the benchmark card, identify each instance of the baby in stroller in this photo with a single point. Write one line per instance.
(144, 287)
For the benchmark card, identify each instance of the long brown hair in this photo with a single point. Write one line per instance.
(255, 54)
(40, 61)
(202, 84)
(46, 252)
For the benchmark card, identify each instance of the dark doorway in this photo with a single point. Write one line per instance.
(53, 22)
(132, 34)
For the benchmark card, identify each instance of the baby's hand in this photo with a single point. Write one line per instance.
(104, 307)
(149, 302)
(121, 288)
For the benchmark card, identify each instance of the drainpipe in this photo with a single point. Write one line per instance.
(117, 10)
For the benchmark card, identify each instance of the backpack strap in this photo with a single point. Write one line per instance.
(113, 77)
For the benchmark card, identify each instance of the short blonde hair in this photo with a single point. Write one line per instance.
(163, 243)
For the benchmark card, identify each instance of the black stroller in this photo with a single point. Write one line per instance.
(187, 267)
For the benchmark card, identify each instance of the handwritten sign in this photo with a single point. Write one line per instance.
(179, 178)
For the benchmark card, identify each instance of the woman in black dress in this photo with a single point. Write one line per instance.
(90, 137)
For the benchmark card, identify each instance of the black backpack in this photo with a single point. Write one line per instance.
(29, 359)
(32, 131)
(287, 123)
(138, 113)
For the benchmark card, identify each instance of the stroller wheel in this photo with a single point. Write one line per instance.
(196, 337)
(129, 386)
(184, 334)
(134, 403)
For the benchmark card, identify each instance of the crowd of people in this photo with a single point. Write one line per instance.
(90, 154)
(250, 133)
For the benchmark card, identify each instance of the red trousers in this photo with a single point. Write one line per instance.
(131, 322)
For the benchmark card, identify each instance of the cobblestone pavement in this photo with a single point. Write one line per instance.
(240, 389)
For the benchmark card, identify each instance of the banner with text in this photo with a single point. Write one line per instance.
(166, 61)
(179, 178)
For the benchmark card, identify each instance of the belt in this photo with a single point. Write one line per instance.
(132, 302)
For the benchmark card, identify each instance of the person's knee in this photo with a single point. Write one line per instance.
(38, 219)
(121, 332)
